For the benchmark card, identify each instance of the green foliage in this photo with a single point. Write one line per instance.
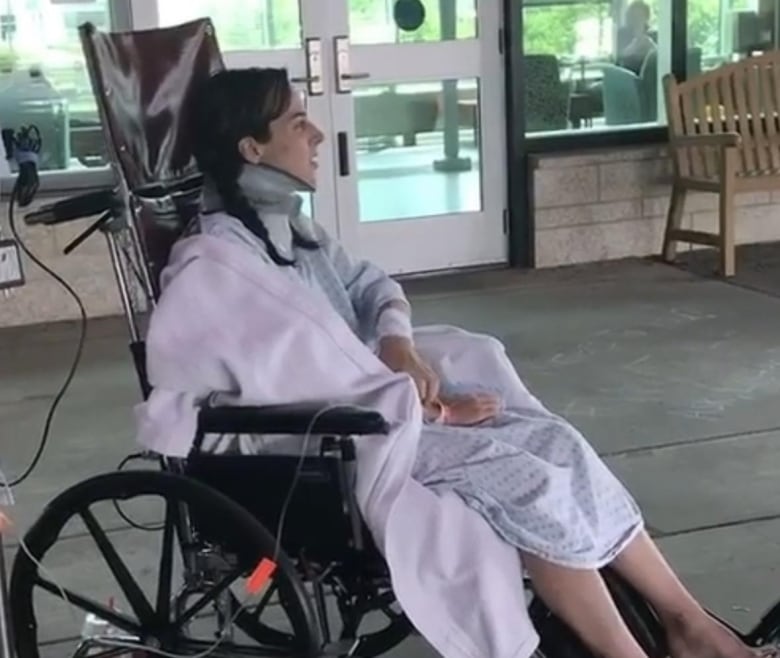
(552, 29)
(280, 28)
(8, 60)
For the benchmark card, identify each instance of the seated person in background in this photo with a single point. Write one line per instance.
(530, 478)
(634, 40)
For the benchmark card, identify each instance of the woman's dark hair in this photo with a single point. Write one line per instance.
(231, 105)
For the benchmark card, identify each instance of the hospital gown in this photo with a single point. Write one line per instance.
(528, 472)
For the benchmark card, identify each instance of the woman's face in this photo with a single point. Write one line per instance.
(293, 144)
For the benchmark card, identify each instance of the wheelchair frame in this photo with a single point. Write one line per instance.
(358, 589)
(351, 566)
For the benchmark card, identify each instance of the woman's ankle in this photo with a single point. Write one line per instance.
(684, 620)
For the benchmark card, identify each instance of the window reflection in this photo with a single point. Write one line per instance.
(44, 81)
(730, 30)
(594, 65)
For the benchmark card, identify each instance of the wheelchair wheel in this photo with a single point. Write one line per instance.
(557, 640)
(767, 631)
(151, 614)
(370, 621)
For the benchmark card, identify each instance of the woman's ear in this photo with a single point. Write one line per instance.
(251, 150)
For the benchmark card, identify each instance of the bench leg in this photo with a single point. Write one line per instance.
(673, 222)
(726, 214)
(727, 245)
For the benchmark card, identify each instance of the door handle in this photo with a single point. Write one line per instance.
(343, 153)
(344, 75)
(313, 77)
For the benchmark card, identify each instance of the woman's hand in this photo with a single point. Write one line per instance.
(398, 354)
(471, 409)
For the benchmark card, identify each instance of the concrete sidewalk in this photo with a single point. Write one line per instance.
(674, 377)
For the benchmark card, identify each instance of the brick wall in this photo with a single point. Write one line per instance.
(607, 205)
(87, 270)
(588, 207)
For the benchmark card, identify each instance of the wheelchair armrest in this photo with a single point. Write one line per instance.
(291, 419)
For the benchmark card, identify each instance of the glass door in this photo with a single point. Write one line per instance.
(269, 33)
(409, 94)
(418, 125)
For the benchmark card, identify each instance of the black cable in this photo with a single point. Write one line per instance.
(79, 349)
(138, 526)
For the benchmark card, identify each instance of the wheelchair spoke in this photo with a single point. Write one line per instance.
(208, 597)
(135, 597)
(88, 605)
(266, 599)
(166, 562)
(249, 620)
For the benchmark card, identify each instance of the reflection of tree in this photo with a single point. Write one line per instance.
(704, 23)
(280, 22)
(371, 13)
(553, 28)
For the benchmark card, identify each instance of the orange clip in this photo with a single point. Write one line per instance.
(260, 576)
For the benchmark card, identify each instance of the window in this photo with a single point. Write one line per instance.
(594, 65)
(43, 79)
(241, 24)
(374, 21)
(722, 31)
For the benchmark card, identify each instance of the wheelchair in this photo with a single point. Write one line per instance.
(225, 518)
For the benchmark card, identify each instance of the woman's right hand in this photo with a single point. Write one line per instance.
(399, 355)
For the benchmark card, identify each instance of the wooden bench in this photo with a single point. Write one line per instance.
(724, 137)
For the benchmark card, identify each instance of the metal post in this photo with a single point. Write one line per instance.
(6, 646)
(124, 286)
(452, 162)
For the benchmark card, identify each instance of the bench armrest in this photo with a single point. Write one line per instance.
(291, 419)
(722, 140)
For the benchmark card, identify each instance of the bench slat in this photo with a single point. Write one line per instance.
(730, 111)
(757, 115)
(695, 160)
(743, 117)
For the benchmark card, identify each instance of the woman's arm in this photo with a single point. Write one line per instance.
(378, 300)
(381, 303)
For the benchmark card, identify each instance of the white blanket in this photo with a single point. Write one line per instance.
(228, 323)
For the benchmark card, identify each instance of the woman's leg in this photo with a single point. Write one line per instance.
(692, 632)
(581, 599)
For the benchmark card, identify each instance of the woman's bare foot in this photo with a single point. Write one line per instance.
(705, 637)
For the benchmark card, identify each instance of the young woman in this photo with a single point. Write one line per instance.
(530, 475)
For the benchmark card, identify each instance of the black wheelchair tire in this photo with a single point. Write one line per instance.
(767, 631)
(238, 524)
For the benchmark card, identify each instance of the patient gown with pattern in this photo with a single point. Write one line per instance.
(528, 472)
